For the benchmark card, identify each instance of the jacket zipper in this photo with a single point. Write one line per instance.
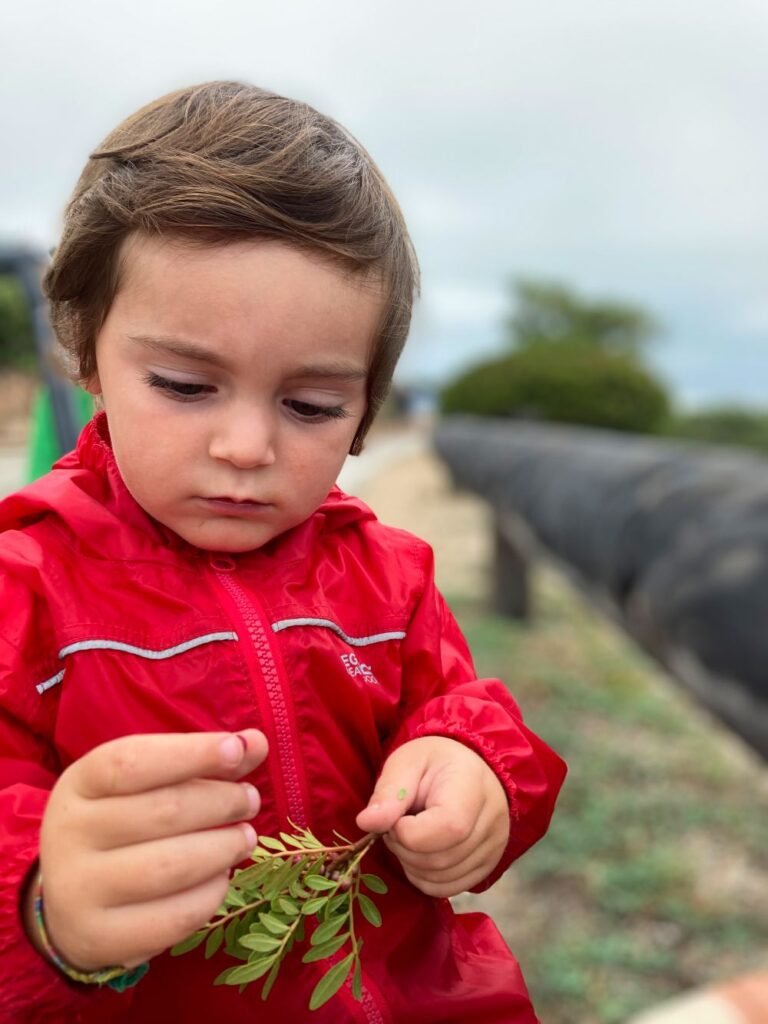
(254, 620)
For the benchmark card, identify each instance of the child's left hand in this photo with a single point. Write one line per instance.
(444, 812)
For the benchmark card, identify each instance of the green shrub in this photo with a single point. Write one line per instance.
(16, 332)
(566, 383)
(722, 425)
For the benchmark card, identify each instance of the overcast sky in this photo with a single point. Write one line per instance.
(618, 145)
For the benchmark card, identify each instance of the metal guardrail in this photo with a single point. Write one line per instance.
(668, 538)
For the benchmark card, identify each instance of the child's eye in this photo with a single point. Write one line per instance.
(310, 412)
(178, 389)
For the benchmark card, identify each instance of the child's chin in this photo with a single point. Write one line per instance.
(228, 538)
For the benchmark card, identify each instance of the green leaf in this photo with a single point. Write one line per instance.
(312, 906)
(337, 901)
(327, 949)
(331, 982)
(191, 942)
(320, 883)
(374, 883)
(327, 930)
(293, 841)
(261, 943)
(246, 972)
(310, 842)
(231, 933)
(357, 981)
(288, 906)
(273, 924)
(247, 878)
(298, 891)
(271, 844)
(267, 987)
(214, 942)
(369, 909)
(277, 881)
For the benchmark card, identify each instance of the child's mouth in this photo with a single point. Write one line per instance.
(237, 506)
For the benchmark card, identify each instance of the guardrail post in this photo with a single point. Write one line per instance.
(511, 585)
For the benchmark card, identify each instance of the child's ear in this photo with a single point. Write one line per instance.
(92, 384)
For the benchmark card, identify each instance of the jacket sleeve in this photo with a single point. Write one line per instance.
(443, 697)
(31, 990)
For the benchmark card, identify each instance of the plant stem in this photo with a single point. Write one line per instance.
(233, 913)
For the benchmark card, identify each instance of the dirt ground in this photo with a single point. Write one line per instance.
(17, 391)
(416, 494)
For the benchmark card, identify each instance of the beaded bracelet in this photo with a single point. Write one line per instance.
(118, 978)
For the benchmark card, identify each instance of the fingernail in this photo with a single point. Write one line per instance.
(231, 750)
(250, 835)
(254, 800)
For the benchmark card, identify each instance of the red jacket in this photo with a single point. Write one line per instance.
(333, 640)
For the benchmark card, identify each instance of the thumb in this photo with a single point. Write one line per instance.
(395, 793)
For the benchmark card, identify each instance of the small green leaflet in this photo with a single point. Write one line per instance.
(327, 929)
(215, 939)
(374, 883)
(320, 882)
(259, 942)
(369, 909)
(327, 949)
(331, 982)
(187, 944)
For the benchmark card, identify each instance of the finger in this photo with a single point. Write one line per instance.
(396, 791)
(440, 859)
(154, 870)
(391, 799)
(135, 764)
(168, 811)
(443, 890)
(453, 872)
(134, 933)
(438, 828)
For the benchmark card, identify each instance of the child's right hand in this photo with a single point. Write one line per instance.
(133, 850)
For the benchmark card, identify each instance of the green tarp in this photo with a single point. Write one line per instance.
(43, 443)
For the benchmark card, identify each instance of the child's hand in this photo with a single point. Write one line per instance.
(133, 852)
(445, 813)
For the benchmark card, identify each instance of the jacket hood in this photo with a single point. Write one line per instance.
(87, 494)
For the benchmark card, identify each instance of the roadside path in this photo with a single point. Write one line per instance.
(13, 468)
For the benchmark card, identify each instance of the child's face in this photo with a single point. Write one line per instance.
(234, 380)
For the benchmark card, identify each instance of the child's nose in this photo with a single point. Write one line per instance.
(245, 438)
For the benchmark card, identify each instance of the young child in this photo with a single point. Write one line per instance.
(181, 596)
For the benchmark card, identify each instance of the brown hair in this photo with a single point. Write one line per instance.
(223, 162)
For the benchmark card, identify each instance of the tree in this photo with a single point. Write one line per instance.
(17, 346)
(548, 312)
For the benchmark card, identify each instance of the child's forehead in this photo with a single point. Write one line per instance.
(246, 296)
(141, 254)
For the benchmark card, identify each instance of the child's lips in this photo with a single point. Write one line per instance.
(237, 506)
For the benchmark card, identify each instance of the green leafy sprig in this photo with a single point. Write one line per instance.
(264, 913)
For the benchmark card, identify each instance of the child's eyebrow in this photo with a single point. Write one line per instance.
(339, 370)
(177, 347)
